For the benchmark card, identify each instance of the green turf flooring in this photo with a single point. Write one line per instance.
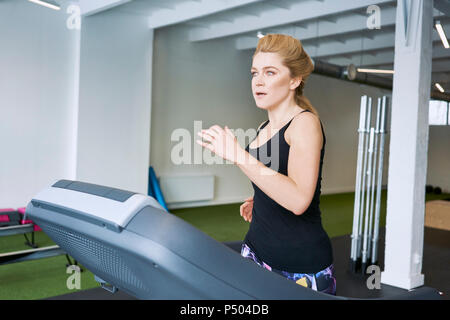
(47, 277)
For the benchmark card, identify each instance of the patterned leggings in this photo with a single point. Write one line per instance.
(323, 281)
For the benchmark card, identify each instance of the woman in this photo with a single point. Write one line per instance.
(284, 164)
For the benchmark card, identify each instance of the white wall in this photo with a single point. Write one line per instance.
(115, 104)
(210, 82)
(73, 104)
(37, 93)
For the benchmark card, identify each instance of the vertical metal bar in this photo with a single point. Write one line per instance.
(383, 117)
(374, 174)
(363, 187)
(356, 210)
(368, 194)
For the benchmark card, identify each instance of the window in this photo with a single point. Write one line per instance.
(438, 113)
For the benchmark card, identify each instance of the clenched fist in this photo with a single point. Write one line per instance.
(246, 209)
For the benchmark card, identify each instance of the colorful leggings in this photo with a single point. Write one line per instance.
(323, 281)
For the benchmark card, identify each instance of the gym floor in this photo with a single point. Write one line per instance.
(46, 278)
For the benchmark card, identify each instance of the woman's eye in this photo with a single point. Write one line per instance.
(268, 72)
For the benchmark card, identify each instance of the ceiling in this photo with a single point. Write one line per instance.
(330, 30)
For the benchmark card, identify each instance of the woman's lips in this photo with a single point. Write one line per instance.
(261, 95)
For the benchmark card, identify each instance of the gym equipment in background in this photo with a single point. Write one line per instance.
(9, 217)
(23, 221)
(14, 222)
(369, 174)
(130, 243)
(154, 190)
(11, 223)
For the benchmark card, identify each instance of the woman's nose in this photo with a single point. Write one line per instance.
(259, 81)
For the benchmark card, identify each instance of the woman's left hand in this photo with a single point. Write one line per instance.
(223, 143)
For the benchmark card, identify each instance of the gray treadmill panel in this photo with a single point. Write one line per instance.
(94, 189)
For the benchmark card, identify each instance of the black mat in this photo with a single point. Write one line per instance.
(436, 259)
(435, 267)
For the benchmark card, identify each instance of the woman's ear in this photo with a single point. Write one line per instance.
(295, 82)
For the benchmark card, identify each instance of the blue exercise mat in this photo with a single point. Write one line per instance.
(150, 192)
(155, 189)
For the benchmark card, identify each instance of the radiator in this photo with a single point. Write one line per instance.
(187, 188)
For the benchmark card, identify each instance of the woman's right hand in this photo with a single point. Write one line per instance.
(246, 209)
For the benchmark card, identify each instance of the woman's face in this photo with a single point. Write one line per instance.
(271, 80)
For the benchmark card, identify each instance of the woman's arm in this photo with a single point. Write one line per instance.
(295, 191)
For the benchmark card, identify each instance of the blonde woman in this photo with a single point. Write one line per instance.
(284, 164)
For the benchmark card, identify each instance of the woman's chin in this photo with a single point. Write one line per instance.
(262, 106)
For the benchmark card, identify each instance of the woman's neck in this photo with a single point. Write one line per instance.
(281, 114)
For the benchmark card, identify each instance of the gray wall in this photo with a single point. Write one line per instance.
(438, 171)
(206, 82)
(210, 82)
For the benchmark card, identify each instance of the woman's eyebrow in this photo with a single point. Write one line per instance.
(265, 67)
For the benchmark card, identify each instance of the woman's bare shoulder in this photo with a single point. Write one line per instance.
(304, 124)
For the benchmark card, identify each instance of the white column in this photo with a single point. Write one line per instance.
(408, 145)
(115, 101)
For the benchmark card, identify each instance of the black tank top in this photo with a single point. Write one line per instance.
(283, 240)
